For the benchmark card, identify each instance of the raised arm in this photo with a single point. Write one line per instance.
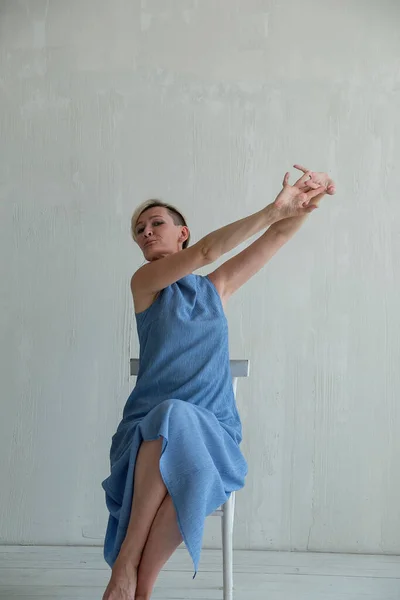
(295, 202)
(158, 274)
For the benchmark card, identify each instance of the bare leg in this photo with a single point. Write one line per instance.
(163, 540)
(149, 493)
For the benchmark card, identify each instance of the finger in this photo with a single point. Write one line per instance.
(331, 189)
(313, 193)
(305, 178)
(310, 185)
(300, 168)
(311, 208)
(286, 179)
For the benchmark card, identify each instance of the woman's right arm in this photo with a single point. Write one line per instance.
(157, 275)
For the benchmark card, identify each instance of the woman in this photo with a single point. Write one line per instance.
(175, 457)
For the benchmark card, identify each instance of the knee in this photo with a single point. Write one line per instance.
(179, 409)
(174, 404)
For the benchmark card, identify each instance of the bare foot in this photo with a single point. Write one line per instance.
(122, 584)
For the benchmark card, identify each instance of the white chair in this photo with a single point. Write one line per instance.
(239, 368)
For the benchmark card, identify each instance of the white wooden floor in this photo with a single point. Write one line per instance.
(70, 573)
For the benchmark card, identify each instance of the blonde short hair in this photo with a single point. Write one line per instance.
(176, 215)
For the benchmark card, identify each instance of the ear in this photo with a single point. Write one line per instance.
(184, 234)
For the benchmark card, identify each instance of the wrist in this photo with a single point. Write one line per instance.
(271, 215)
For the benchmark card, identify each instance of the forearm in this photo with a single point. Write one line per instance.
(221, 241)
(288, 227)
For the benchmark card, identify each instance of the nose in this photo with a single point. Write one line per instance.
(148, 232)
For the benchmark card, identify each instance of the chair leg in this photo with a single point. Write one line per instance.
(227, 546)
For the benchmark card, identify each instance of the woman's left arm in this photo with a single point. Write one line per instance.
(234, 273)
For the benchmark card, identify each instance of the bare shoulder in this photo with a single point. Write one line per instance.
(218, 283)
(141, 299)
(159, 274)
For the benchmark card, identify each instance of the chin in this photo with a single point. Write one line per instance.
(151, 253)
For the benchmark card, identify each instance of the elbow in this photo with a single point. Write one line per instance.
(208, 252)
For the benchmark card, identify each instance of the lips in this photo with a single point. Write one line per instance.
(150, 242)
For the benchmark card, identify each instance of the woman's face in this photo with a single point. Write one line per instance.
(157, 235)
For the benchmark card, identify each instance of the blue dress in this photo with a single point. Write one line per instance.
(183, 393)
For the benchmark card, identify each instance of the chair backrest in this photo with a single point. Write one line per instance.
(239, 368)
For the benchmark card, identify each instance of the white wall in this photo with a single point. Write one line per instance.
(205, 104)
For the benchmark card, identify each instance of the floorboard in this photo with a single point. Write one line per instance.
(79, 573)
